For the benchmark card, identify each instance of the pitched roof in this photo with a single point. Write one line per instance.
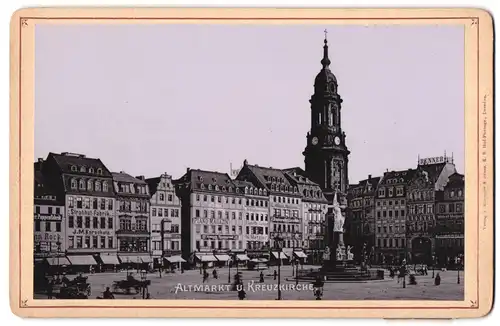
(196, 179)
(397, 177)
(66, 161)
(125, 177)
(310, 190)
(153, 184)
(455, 180)
(437, 174)
(43, 191)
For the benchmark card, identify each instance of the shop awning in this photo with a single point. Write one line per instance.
(300, 254)
(110, 260)
(175, 259)
(222, 257)
(206, 257)
(54, 261)
(242, 257)
(259, 260)
(130, 259)
(146, 259)
(82, 260)
(279, 255)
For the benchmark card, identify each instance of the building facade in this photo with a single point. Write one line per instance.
(212, 216)
(361, 210)
(449, 230)
(165, 220)
(314, 210)
(285, 204)
(49, 220)
(132, 210)
(86, 185)
(430, 177)
(391, 214)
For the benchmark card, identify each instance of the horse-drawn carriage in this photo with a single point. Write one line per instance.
(77, 288)
(125, 286)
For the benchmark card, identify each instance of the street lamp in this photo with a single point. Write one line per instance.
(278, 243)
(58, 243)
(433, 263)
(458, 269)
(229, 275)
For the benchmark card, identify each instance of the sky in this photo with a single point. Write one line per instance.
(149, 99)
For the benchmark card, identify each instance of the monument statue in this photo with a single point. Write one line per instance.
(339, 254)
(339, 219)
(350, 255)
(326, 253)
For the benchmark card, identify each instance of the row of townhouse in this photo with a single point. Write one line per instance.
(415, 214)
(86, 215)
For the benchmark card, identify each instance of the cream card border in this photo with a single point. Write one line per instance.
(478, 37)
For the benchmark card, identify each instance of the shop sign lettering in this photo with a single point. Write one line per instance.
(88, 212)
(206, 221)
(91, 232)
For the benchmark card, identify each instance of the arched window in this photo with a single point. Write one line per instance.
(74, 184)
(97, 186)
(82, 184)
(209, 187)
(251, 191)
(89, 185)
(217, 187)
(230, 189)
(202, 186)
(105, 186)
(91, 170)
(246, 190)
(73, 168)
(99, 171)
(83, 169)
(305, 193)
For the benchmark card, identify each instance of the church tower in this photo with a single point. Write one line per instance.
(326, 153)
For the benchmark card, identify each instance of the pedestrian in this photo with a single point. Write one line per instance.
(214, 273)
(107, 294)
(50, 289)
(241, 293)
(261, 277)
(275, 274)
(437, 279)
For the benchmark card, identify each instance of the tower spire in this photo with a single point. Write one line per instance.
(325, 61)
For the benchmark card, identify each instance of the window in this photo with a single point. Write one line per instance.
(390, 192)
(105, 186)
(73, 184)
(79, 242)
(381, 192)
(87, 222)
(82, 184)
(97, 186)
(197, 213)
(94, 241)
(402, 213)
(212, 199)
(110, 204)
(87, 203)
(170, 197)
(79, 222)
(442, 208)
(95, 222)
(110, 242)
(37, 225)
(71, 221)
(160, 212)
(58, 226)
(79, 202)
(204, 197)
(452, 208)
(110, 222)
(89, 185)
(459, 207)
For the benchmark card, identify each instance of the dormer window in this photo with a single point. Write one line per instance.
(202, 186)
(209, 187)
(246, 190)
(91, 170)
(83, 169)
(97, 186)
(217, 187)
(99, 171)
(214, 180)
(105, 186)
(73, 184)
(237, 190)
(251, 191)
(381, 192)
(223, 188)
(89, 185)
(73, 168)
(82, 184)
(230, 189)
(265, 192)
(200, 178)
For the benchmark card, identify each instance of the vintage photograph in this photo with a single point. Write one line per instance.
(249, 162)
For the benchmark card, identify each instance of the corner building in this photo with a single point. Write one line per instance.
(87, 187)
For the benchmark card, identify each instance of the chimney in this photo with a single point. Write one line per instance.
(141, 177)
(40, 160)
(188, 170)
(245, 162)
(369, 177)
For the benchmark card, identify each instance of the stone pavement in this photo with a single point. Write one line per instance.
(189, 285)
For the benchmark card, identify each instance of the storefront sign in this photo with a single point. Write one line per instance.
(450, 236)
(263, 223)
(256, 237)
(90, 232)
(45, 236)
(434, 160)
(206, 221)
(48, 217)
(89, 212)
(219, 237)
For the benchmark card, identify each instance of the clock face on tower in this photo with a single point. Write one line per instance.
(337, 140)
(314, 141)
